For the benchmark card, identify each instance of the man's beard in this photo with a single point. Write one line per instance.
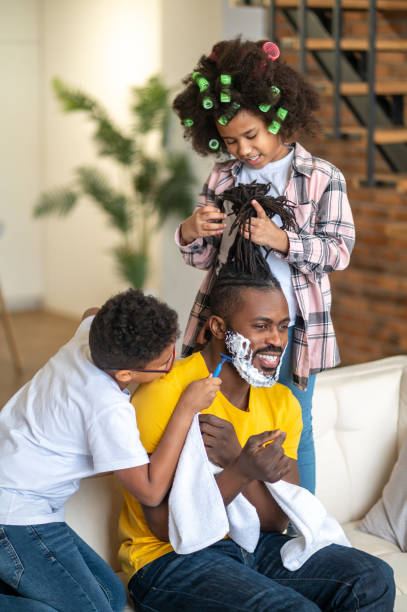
(239, 348)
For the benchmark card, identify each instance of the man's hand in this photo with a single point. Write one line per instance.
(205, 221)
(90, 312)
(219, 436)
(268, 463)
(264, 231)
(199, 394)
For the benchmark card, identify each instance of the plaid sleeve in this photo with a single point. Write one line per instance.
(202, 252)
(328, 247)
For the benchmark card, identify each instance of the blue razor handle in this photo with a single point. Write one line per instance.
(220, 364)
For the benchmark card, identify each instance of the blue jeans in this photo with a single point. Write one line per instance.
(306, 449)
(224, 577)
(48, 567)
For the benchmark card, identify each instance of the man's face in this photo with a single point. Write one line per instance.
(258, 334)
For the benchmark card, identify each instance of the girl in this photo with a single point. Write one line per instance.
(242, 100)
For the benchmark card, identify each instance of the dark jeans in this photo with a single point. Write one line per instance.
(224, 577)
(48, 567)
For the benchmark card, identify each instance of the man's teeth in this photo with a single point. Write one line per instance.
(271, 359)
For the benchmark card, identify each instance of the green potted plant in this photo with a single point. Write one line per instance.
(154, 185)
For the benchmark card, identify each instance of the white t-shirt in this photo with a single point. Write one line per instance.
(68, 422)
(276, 173)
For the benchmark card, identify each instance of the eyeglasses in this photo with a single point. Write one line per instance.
(164, 370)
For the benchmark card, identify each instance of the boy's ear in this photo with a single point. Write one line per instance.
(217, 327)
(123, 377)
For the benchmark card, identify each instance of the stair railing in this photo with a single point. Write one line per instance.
(337, 32)
(371, 94)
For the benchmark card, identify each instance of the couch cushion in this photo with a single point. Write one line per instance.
(386, 551)
(388, 517)
(129, 605)
(367, 542)
(93, 512)
(357, 411)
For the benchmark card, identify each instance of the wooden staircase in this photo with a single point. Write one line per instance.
(369, 297)
(381, 5)
(346, 44)
(339, 44)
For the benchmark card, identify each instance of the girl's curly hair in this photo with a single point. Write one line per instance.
(253, 79)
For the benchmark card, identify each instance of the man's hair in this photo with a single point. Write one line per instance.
(226, 294)
(249, 257)
(254, 78)
(130, 330)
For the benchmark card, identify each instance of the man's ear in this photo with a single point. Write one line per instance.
(217, 327)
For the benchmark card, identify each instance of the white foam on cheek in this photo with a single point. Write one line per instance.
(239, 347)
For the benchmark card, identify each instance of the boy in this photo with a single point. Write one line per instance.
(73, 420)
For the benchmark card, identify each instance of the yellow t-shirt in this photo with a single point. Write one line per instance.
(274, 408)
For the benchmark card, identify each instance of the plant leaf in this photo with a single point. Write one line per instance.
(111, 141)
(115, 204)
(58, 201)
(175, 193)
(132, 265)
(150, 105)
(107, 136)
(145, 178)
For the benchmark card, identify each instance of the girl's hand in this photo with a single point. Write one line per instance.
(219, 436)
(265, 232)
(205, 221)
(199, 394)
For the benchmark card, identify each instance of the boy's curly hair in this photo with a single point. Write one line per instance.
(130, 330)
(253, 77)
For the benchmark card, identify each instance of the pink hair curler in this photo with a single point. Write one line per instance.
(272, 50)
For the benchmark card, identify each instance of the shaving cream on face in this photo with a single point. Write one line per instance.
(239, 348)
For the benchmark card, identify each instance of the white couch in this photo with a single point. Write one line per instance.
(360, 419)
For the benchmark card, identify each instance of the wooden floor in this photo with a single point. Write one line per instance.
(39, 335)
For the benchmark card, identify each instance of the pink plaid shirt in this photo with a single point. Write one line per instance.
(324, 243)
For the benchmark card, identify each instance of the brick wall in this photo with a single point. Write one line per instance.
(370, 296)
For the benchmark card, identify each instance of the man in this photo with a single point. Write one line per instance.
(249, 320)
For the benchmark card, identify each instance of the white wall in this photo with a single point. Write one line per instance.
(249, 21)
(21, 262)
(102, 47)
(188, 30)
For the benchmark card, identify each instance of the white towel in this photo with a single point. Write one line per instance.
(314, 526)
(198, 517)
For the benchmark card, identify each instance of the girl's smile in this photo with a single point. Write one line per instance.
(247, 138)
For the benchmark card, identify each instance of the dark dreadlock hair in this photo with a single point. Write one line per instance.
(254, 78)
(226, 294)
(248, 256)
